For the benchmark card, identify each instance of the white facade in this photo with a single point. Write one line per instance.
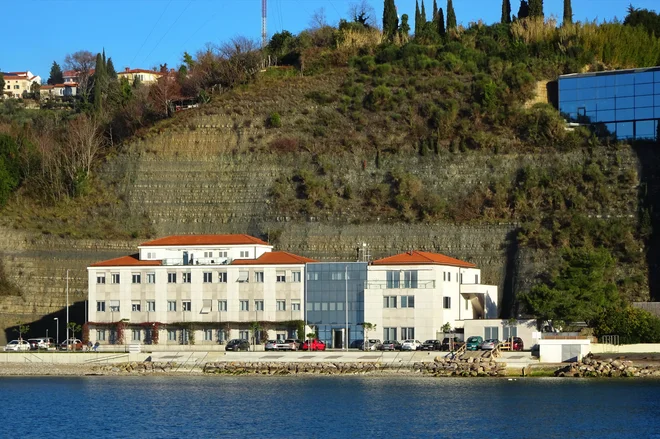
(502, 329)
(423, 296)
(220, 288)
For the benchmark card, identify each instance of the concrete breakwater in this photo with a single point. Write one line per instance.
(590, 367)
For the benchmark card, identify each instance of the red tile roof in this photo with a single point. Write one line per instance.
(126, 261)
(416, 257)
(47, 87)
(205, 240)
(269, 258)
(140, 71)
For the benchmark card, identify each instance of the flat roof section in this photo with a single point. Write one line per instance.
(610, 72)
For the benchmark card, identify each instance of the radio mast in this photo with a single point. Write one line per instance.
(264, 10)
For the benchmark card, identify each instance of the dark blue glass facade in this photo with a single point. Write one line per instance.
(328, 290)
(626, 103)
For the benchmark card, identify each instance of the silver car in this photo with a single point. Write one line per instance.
(489, 345)
(271, 345)
(17, 345)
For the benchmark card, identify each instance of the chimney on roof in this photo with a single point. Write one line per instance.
(410, 252)
(127, 69)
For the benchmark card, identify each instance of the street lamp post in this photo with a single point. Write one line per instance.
(57, 326)
(67, 306)
(346, 306)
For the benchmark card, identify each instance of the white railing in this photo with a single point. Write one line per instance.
(198, 261)
(400, 285)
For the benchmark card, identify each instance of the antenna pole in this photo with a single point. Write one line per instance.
(264, 10)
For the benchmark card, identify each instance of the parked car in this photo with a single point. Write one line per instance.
(410, 345)
(72, 344)
(390, 345)
(489, 345)
(474, 342)
(40, 343)
(295, 341)
(451, 343)
(271, 345)
(237, 345)
(17, 345)
(356, 344)
(431, 345)
(371, 345)
(518, 344)
(316, 345)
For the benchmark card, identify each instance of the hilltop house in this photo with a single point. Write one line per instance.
(146, 77)
(16, 83)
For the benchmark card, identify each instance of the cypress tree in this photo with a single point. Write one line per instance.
(404, 28)
(418, 28)
(568, 12)
(390, 20)
(99, 82)
(441, 23)
(536, 8)
(506, 12)
(423, 20)
(523, 12)
(110, 69)
(451, 16)
(56, 75)
(435, 11)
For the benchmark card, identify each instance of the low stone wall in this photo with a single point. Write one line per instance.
(590, 367)
(438, 367)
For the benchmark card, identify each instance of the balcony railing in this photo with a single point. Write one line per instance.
(198, 261)
(398, 285)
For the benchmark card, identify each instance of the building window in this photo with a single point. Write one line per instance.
(222, 305)
(100, 306)
(245, 254)
(461, 275)
(185, 305)
(244, 335)
(407, 333)
(171, 305)
(295, 306)
(509, 331)
(245, 305)
(337, 275)
(206, 306)
(389, 333)
(259, 276)
(115, 278)
(100, 335)
(446, 302)
(208, 277)
(476, 278)
(243, 276)
(114, 306)
(151, 305)
(171, 335)
(151, 278)
(208, 335)
(449, 277)
(222, 277)
(208, 254)
(393, 279)
(407, 301)
(259, 305)
(491, 332)
(136, 306)
(100, 278)
(136, 335)
(280, 276)
(222, 335)
(151, 255)
(389, 302)
(340, 306)
(222, 254)
(410, 279)
(187, 278)
(312, 276)
(136, 278)
(296, 276)
(171, 278)
(281, 305)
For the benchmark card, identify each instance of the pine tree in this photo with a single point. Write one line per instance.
(441, 23)
(536, 8)
(451, 16)
(390, 20)
(418, 19)
(568, 12)
(56, 76)
(506, 12)
(404, 28)
(110, 69)
(523, 12)
(423, 20)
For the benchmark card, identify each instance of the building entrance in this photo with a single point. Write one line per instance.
(338, 338)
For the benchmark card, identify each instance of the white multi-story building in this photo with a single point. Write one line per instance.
(201, 288)
(17, 83)
(414, 294)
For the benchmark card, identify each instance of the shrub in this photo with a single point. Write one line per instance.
(274, 120)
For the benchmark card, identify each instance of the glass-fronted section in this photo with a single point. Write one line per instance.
(624, 104)
(331, 289)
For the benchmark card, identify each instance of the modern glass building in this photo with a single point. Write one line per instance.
(626, 103)
(333, 292)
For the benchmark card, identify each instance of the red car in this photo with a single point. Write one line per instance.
(317, 345)
(518, 344)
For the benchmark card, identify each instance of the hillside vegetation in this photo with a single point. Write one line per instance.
(354, 108)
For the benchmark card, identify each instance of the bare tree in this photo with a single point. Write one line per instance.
(82, 62)
(80, 147)
(163, 92)
(362, 12)
(318, 19)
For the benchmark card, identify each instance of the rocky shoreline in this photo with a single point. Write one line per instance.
(611, 368)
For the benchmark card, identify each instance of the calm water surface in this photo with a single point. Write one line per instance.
(323, 407)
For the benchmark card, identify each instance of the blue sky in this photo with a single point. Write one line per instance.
(144, 33)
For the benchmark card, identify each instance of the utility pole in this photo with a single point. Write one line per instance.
(67, 307)
(264, 35)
